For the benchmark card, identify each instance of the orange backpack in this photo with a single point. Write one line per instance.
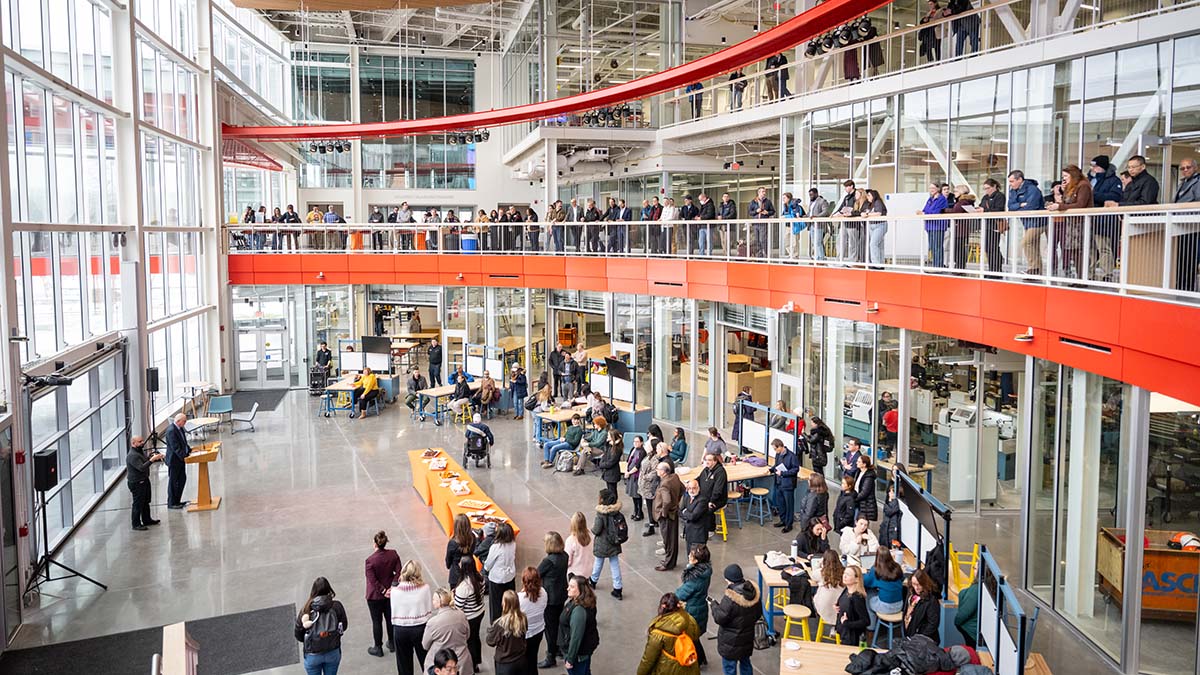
(685, 649)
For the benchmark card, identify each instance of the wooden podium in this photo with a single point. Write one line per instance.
(202, 456)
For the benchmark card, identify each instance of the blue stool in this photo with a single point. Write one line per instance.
(373, 403)
(758, 508)
(734, 499)
(892, 621)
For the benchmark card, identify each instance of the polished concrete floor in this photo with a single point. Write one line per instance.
(302, 497)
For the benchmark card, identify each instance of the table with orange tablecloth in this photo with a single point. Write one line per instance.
(439, 498)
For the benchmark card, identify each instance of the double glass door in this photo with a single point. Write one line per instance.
(263, 357)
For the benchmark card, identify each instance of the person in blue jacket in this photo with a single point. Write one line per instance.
(935, 230)
(787, 467)
(518, 386)
(1024, 195)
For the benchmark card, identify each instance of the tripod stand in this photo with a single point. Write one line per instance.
(41, 570)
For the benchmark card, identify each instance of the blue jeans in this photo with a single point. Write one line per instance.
(962, 36)
(878, 230)
(553, 448)
(518, 402)
(556, 233)
(818, 241)
(876, 607)
(702, 240)
(614, 566)
(583, 667)
(325, 663)
(732, 667)
(936, 247)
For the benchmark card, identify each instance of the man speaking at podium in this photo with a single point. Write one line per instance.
(177, 451)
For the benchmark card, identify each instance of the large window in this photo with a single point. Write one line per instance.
(168, 92)
(322, 86)
(392, 88)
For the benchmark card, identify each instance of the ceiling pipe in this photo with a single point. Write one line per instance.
(795, 31)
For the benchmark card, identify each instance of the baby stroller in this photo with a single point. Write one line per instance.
(477, 447)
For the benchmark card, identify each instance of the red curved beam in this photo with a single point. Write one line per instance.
(801, 28)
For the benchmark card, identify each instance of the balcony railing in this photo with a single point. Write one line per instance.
(999, 25)
(1135, 249)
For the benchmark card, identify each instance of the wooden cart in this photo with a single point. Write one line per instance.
(1169, 577)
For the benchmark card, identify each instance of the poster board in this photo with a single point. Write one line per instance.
(753, 436)
(474, 365)
(786, 437)
(380, 363)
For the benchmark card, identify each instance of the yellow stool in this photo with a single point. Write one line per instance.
(820, 637)
(796, 614)
(722, 525)
(343, 400)
(463, 416)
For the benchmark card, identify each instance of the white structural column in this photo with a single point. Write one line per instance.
(212, 267)
(1083, 495)
(905, 396)
(549, 183)
(130, 210)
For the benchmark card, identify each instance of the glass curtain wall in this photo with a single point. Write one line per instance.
(414, 87)
(1077, 516)
(321, 81)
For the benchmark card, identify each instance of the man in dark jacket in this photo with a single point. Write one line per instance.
(610, 465)
(416, 384)
(787, 467)
(137, 476)
(555, 361)
(735, 615)
(727, 211)
(760, 208)
(1024, 195)
(666, 513)
(1142, 190)
(688, 211)
(518, 386)
(994, 228)
(435, 363)
(714, 486)
(695, 516)
(707, 212)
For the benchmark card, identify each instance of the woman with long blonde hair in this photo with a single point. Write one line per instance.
(507, 635)
(852, 619)
(412, 606)
(579, 547)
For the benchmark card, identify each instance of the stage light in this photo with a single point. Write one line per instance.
(486, 135)
(321, 149)
(452, 139)
(312, 147)
(329, 147)
(478, 137)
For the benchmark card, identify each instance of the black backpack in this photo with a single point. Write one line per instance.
(531, 402)
(610, 413)
(325, 635)
(618, 528)
(476, 441)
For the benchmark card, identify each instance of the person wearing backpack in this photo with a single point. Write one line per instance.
(610, 530)
(693, 592)
(735, 616)
(320, 626)
(671, 641)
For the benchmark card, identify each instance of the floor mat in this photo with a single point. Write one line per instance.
(229, 645)
(267, 399)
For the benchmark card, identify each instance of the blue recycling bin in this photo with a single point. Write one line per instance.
(470, 243)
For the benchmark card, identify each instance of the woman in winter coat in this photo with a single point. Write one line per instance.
(889, 529)
(735, 616)
(648, 485)
(693, 592)
(864, 490)
(816, 502)
(632, 471)
(322, 654)
(843, 511)
(447, 629)
(671, 622)
(819, 439)
(605, 546)
(553, 571)
(922, 615)
(610, 461)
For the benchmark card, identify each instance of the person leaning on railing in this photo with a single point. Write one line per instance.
(1187, 252)
(1140, 190)
(964, 202)
(1074, 192)
(818, 207)
(1106, 187)
(1024, 195)
(935, 230)
(993, 228)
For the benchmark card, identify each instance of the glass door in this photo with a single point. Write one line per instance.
(263, 358)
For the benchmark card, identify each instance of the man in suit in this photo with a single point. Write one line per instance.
(574, 217)
(177, 451)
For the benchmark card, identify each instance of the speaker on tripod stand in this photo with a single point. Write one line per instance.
(45, 478)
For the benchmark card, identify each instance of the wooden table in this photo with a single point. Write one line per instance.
(770, 579)
(816, 658)
(559, 418)
(442, 502)
(192, 386)
(734, 473)
(202, 457)
(421, 335)
(328, 406)
(920, 474)
(440, 396)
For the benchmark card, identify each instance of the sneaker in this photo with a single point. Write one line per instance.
(547, 465)
(548, 662)
(660, 551)
(375, 651)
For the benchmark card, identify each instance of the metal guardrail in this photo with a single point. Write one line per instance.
(1134, 249)
(998, 25)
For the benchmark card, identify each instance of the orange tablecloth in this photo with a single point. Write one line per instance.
(441, 500)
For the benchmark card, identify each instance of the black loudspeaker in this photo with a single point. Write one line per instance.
(45, 470)
(152, 380)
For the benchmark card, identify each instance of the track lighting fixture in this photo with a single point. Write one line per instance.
(321, 149)
(452, 139)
